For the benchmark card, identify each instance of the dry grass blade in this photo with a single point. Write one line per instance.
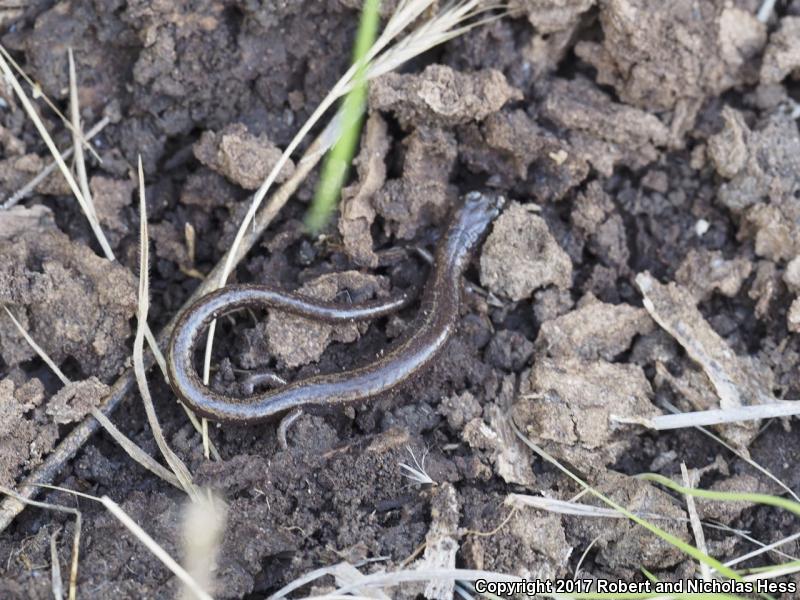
(154, 547)
(69, 446)
(140, 534)
(34, 116)
(583, 557)
(694, 520)
(135, 452)
(77, 134)
(209, 449)
(301, 581)
(56, 584)
(730, 415)
(417, 472)
(445, 26)
(667, 537)
(397, 577)
(765, 11)
(25, 190)
(40, 94)
(766, 548)
(76, 540)
(38, 349)
(175, 463)
(563, 507)
(434, 32)
(85, 199)
(577, 509)
(774, 573)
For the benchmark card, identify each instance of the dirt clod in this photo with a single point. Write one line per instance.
(568, 407)
(705, 272)
(243, 158)
(73, 302)
(603, 132)
(593, 330)
(298, 341)
(523, 238)
(552, 15)
(620, 541)
(493, 433)
(26, 435)
(111, 197)
(676, 56)
(737, 381)
(441, 96)
(76, 399)
(534, 543)
(782, 55)
(356, 207)
(761, 165)
(423, 194)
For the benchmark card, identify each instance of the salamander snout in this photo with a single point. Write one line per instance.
(477, 212)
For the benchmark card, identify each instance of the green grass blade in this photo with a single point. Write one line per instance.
(776, 501)
(770, 568)
(650, 577)
(337, 163)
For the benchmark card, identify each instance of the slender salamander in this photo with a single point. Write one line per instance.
(433, 326)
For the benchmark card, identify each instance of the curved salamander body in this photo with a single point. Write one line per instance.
(434, 325)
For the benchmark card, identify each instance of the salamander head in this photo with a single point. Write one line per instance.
(473, 218)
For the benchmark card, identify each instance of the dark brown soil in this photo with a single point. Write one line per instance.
(629, 136)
